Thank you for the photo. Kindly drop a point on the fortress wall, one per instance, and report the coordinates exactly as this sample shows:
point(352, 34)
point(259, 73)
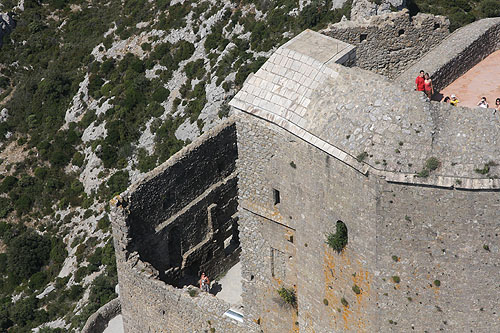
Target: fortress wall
point(438, 234)
point(284, 244)
point(150, 305)
point(180, 219)
point(458, 53)
point(387, 44)
point(98, 321)
point(181, 214)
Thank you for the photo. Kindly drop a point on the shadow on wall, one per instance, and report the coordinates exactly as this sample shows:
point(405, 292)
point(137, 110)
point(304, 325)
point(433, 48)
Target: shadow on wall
point(183, 218)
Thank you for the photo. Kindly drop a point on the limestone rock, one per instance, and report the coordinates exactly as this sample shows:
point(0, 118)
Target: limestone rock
point(365, 8)
point(7, 23)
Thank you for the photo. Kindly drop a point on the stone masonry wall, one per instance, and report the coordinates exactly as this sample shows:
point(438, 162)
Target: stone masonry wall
point(427, 234)
point(418, 234)
point(387, 44)
point(182, 214)
point(179, 220)
point(284, 244)
point(458, 53)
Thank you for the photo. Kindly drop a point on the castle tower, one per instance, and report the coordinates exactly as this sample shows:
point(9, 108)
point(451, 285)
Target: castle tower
point(351, 205)
point(322, 146)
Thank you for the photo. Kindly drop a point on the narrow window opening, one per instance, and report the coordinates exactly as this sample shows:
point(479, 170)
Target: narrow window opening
point(437, 26)
point(401, 32)
point(276, 196)
point(362, 37)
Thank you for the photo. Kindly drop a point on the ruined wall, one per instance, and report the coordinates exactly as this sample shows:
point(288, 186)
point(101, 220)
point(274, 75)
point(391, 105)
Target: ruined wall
point(387, 44)
point(458, 53)
point(182, 214)
point(171, 225)
point(284, 244)
point(445, 235)
point(98, 321)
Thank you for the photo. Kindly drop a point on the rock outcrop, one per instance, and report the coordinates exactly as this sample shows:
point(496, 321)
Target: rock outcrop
point(7, 23)
point(365, 8)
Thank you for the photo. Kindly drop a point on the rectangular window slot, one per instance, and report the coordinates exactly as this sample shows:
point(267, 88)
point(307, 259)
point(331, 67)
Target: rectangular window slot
point(276, 196)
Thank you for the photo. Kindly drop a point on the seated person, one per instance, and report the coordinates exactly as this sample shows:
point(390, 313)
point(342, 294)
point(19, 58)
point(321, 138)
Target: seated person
point(446, 100)
point(454, 100)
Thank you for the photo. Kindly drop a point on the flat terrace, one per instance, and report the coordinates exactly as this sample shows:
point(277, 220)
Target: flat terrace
point(481, 80)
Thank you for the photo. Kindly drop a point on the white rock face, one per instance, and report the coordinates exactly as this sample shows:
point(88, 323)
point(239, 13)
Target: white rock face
point(187, 131)
point(365, 8)
point(7, 23)
point(4, 115)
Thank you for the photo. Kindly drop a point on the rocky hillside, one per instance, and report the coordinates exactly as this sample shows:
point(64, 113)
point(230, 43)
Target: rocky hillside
point(95, 93)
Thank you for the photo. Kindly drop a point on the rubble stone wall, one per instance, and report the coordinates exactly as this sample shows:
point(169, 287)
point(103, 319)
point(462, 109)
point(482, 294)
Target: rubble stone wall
point(177, 221)
point(387, 44)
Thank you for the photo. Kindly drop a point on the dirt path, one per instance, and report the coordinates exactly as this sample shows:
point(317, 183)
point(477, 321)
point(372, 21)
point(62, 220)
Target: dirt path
point(481, 80)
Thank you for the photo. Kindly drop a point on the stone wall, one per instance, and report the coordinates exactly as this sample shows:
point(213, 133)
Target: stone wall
point(181, 216)
point(444, 235)
point(283, 244)
point(98, 322)
point(387, 44)
point(176, 222)
point(458, 53)
point(418, 234)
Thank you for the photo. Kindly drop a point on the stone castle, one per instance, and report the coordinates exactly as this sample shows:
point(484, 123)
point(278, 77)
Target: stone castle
point(328, 133)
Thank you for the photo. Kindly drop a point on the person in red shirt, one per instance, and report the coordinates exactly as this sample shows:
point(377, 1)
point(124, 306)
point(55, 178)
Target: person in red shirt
point(420, 82)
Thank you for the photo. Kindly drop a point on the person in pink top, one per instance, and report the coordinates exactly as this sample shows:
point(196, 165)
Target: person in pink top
point(419, 82)
point(428, 88)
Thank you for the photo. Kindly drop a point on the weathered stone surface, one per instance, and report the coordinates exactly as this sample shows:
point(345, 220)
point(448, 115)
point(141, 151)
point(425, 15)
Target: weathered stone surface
point(365, 8)
point(178, 221)
point(98, 322)
point(389, 43)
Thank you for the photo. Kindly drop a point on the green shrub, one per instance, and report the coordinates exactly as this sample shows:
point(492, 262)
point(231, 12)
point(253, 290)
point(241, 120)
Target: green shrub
point(437, 283)
point(5, 207)
point(432, 164)
point(356, 289)
point(362, 156)
point(396, 279)
point(27, 254)
point(395, 258)
point(103, 223)
point(338, 240)
point(344, 302)
point(288, 296)
point(325, 301)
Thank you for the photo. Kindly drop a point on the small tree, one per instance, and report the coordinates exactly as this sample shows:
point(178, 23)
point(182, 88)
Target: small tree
point(288, 296)
point(338, 240)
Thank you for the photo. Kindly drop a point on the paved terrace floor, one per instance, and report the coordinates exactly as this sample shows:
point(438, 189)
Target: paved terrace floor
point(231, 286)
point(481, 80)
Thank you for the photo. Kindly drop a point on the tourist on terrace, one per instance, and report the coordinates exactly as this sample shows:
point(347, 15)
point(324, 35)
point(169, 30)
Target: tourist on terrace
point(428, 88)
point(420, 82)
point(454, 100)
point(204, 283)
point(482, 103)
point(497, 104)
point(446, 100)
